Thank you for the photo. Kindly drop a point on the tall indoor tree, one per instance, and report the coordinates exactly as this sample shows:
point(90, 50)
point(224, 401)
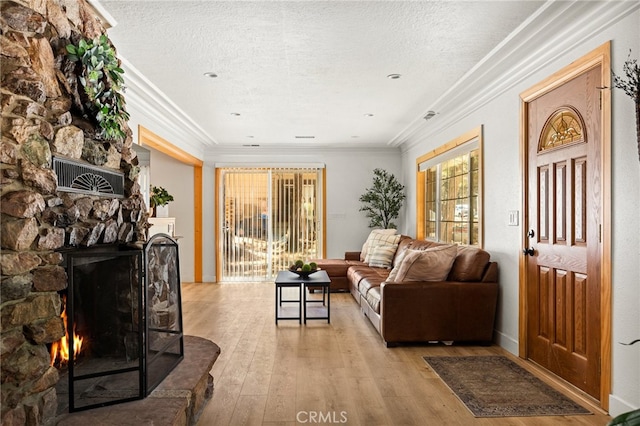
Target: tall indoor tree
point(383, 201)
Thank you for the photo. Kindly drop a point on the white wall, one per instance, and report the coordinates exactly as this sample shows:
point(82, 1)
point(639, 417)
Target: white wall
point(177, 179)
point(502, 192)
point(208, 224)
point(625, 208)
point(348, 173)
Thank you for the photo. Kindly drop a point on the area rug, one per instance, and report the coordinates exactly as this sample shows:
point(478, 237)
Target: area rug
point(494, 386)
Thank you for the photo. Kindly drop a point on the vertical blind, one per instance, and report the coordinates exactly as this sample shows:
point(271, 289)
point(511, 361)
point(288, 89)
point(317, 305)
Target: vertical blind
point(270, 218)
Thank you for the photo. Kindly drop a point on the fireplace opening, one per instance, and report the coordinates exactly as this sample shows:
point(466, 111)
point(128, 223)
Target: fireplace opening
point(124, 323)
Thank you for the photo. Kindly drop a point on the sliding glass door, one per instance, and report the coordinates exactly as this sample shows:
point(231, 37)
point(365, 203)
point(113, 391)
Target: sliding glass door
point(268, 218)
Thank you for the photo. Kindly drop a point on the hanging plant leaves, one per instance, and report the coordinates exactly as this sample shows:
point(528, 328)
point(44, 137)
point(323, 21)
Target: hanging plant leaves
point(101, 79)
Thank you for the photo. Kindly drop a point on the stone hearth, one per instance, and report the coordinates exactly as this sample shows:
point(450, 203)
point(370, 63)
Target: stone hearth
point(177, 401)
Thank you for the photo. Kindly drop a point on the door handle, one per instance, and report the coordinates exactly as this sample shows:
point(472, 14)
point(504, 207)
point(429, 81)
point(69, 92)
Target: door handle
point(528, 251)
point(531, 233)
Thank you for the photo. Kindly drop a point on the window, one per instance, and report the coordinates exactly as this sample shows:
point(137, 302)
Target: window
point(268, 218)
point(449, 183)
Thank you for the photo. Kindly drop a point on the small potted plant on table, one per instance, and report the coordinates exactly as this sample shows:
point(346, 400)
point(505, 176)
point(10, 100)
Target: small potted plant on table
point(159, 201)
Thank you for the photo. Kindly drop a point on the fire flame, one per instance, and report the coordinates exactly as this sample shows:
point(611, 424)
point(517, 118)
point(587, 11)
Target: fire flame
point(60, 349)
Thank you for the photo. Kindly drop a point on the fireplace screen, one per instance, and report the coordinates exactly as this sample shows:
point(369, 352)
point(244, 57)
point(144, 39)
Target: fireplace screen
point(124, 324)
point(164, 343)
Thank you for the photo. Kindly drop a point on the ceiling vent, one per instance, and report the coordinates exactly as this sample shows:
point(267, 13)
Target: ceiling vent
point(430, 115)
point(83, 178)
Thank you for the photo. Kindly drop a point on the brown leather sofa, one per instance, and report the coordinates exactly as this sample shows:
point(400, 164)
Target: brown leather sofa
point(460, 309)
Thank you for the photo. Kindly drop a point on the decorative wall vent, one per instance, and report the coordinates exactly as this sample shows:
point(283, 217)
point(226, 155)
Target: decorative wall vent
point(84, 178)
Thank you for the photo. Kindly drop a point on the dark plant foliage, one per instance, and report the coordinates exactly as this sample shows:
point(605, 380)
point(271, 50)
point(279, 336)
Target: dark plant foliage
point(631, 418)
point(101, 77)
point(159, 196)
point(630, 83)
point(383, 201)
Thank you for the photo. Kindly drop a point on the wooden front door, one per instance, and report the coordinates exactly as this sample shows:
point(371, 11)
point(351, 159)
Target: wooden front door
point(562, 265)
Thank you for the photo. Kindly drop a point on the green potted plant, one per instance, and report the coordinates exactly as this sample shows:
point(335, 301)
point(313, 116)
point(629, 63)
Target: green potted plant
point(383, 201)
point(159, 200)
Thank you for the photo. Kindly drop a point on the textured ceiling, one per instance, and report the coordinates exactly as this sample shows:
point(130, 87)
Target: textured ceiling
point(308, 68)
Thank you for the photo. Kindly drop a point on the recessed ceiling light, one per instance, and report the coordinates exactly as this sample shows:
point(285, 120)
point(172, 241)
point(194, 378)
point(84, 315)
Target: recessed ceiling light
point(394, 76)
point(210, 74)
point(235, 114)
point(368, 114)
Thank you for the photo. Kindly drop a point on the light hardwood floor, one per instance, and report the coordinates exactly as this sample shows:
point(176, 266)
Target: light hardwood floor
point(339, 372)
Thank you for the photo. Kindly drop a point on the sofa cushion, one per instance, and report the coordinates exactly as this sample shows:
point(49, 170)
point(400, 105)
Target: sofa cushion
point(355, 273)
point(366, 276)
point(333, 267)
point(423, 244)
point(379, 237)
point(432, 264)
point(373, 298)
point(469, 265)
point(368, 283)
point(382, 256)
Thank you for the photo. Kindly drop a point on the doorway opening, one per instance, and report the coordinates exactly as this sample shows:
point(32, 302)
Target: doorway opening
point(267, 219)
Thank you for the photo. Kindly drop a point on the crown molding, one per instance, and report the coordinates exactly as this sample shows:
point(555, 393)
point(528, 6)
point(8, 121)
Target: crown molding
point(297, 153)
point(108, 21)
point(556, 28)
point(163, 115)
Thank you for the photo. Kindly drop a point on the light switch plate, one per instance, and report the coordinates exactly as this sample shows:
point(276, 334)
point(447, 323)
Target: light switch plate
point(514, 217)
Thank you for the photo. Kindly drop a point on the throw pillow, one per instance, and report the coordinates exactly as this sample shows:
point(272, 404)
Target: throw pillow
point(432, 264)
point(382, 240)
point(382, 256)
point(394, 272)
point(372, 234)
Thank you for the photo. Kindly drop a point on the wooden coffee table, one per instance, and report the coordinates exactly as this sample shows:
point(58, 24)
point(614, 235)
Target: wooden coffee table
point(317, 279)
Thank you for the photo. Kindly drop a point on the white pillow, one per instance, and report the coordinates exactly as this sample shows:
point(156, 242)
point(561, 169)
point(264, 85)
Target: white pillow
point(432, 264)
point(372, 234)
point(382, 256)
point(381, 240)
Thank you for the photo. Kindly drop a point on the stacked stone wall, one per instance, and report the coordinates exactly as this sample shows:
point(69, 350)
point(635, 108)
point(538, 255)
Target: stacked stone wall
point(40, 119)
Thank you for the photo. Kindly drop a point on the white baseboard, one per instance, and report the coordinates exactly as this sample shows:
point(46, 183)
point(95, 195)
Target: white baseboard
point(507, 343)
point(618, 406)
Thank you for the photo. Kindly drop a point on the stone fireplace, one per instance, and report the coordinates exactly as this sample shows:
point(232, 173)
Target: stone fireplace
point(123, 321)
point(42, 220)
